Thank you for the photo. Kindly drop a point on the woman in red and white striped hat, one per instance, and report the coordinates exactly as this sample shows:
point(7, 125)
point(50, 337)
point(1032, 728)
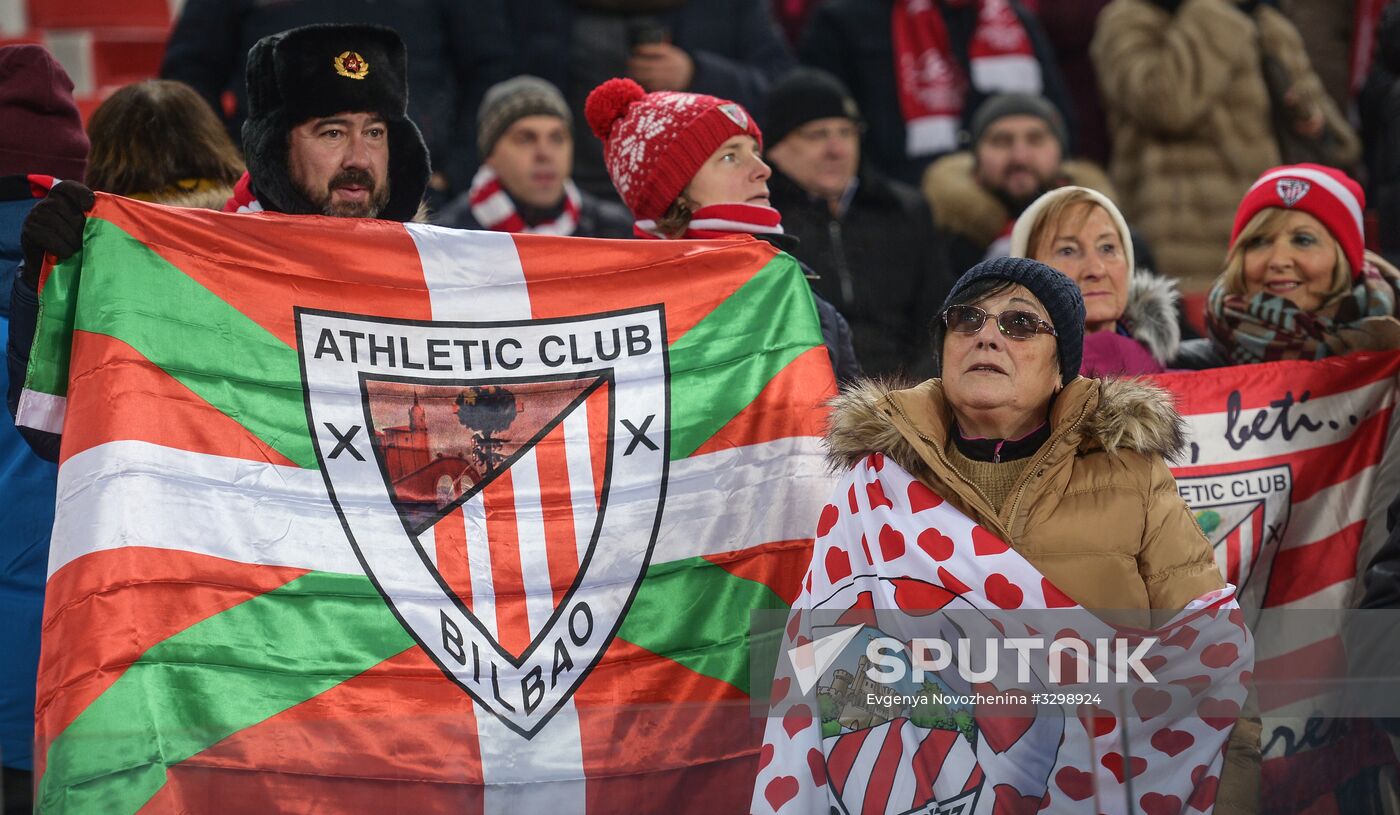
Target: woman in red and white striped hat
point(1298, 282)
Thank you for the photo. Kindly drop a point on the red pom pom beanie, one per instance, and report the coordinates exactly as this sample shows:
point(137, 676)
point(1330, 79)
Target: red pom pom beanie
point(654, 143)
point(1322, 192)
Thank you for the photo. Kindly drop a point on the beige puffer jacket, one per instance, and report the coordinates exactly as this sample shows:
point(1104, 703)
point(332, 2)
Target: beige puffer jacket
point(1096, 511)
point(1191, 120)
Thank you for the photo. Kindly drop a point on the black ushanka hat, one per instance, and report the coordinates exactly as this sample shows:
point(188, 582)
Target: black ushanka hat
point(321, 70)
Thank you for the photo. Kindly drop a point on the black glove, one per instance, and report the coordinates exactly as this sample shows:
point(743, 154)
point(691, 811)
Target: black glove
point(54, 225)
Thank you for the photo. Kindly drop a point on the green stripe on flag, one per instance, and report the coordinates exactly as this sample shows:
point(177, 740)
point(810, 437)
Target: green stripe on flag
point(220, 676)
point(715, 371)
point(695, 613)
point(215, 678)
point(49, 354)
point(209, 346)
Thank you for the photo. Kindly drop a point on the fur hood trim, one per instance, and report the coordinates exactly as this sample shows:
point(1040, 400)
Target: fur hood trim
point(963, 207)
point(211, 196)
point(1125, 415)
point(1151, 315)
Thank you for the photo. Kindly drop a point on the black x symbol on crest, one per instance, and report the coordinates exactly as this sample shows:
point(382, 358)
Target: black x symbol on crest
point(342, 441)
point(639, 435)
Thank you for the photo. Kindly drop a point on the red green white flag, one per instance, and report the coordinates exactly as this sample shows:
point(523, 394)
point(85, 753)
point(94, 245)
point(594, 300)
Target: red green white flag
point(362, 516)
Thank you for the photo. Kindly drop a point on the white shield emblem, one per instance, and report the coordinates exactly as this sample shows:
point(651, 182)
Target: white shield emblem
point(736, 114)
point(471, 465)
point(1291, 190)
point(1244, 515)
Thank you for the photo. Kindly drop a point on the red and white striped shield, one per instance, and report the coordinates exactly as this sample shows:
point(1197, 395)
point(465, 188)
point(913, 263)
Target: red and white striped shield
point(471, 465)
point(1244, 513)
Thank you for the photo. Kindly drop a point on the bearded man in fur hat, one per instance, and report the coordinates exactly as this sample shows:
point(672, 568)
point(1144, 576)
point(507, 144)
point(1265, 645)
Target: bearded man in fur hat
point(328, 133)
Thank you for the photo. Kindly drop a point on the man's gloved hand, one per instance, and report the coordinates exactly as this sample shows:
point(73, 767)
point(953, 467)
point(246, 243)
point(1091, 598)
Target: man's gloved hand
point(54, 225)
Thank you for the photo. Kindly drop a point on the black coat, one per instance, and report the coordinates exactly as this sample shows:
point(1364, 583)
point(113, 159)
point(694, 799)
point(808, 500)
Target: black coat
point(455, 51)
point(736, 45)
point(852, 39)
point(1379, 104)
point(1371, 651)
point(596, 218)
point(882, 264)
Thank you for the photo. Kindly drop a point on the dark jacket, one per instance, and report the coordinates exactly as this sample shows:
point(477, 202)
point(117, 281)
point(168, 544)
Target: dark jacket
point(1382, 577)
point(852, 39)
point(1380, 129)
point(1371, 648)
point(880, 263)
point(26, 514)
point(455, 51)
point(1199, 354)
point(736, 45)
point(836, 332)
point(1069, 25)
point(596, 218)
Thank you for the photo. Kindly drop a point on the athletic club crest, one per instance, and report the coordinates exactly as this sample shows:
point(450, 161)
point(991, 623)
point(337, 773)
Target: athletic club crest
point(736, 114)
point(1244, 515)
point(1291, 190)
point(476, 468)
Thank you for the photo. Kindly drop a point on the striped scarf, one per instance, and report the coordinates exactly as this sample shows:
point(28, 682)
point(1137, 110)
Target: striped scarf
point(932, 85)
point(495, 210)
point(721, 221)
point(1264, 327)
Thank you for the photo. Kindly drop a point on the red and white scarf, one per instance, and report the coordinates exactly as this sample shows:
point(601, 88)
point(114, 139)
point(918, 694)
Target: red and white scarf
point(888, 553)
point(1366, 19)
point(720, 221)
point(243, 199)
point(494, 209)
point(930, 80)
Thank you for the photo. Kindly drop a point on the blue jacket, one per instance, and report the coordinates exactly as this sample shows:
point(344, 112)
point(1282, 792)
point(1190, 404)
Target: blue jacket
point(26, 515)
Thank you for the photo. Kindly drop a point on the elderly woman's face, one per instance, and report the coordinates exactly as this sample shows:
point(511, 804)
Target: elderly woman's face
point(991, 371)
point(1087, 248)
point(1296, 261)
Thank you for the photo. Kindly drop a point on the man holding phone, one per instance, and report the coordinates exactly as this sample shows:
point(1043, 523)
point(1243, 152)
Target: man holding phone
point(726, 48)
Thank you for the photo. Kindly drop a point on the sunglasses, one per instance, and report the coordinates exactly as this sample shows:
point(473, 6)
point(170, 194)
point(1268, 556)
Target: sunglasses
point(1018, 325)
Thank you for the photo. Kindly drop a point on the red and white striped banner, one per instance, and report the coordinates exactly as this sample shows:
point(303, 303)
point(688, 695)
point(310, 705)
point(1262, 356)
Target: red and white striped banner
point(1289, 469)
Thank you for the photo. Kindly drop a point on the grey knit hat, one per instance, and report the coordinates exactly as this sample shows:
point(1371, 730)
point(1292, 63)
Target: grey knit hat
point(1017, 104)
point(1053, 289)
point(514, 99)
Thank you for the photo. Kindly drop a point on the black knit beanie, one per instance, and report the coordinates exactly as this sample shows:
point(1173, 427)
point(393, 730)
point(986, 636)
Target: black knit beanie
point(1057, 293)
point(805, 95)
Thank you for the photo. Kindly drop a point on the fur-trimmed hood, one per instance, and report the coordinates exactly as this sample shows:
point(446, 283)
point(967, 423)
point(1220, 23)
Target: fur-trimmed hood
point(1150, 315)
point(1117, 415)
point(201, 195)
point(964, 207)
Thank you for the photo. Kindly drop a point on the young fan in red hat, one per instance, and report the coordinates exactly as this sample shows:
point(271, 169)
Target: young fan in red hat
point(1298, 282)
point(691, 166)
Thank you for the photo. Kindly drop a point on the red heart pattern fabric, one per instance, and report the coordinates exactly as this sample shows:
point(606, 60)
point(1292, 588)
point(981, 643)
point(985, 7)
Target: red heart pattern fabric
point(890, 551)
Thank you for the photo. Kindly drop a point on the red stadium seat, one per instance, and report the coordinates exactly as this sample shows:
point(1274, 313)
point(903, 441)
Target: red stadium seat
point(98, 13)
point(27, 38)
point(122, 56)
